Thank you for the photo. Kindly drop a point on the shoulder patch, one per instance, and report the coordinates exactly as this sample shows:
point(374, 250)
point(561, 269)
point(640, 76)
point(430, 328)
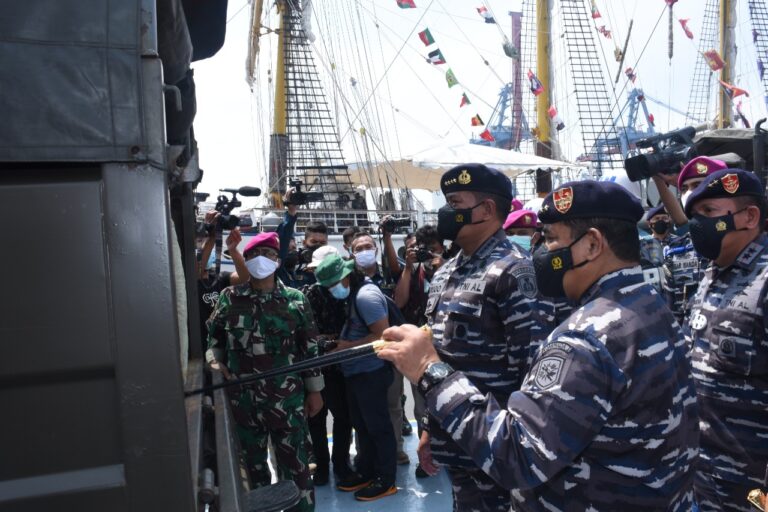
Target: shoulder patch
point(549, 371)
point(526, 280)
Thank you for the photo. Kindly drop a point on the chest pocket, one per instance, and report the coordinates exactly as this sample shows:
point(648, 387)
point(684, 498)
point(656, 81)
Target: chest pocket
point(277, 333)
point(734, 341)
point(464, 319)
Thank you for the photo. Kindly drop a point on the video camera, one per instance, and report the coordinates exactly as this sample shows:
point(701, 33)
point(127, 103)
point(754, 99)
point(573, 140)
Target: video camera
point(391, 224)
point(225, 205)
point(299, 197)
point(669, 150)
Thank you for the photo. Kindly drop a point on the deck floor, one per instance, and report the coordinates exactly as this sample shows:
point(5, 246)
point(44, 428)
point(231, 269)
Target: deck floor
point(413, 494)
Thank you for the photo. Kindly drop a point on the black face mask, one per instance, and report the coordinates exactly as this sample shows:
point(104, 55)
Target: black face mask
point(707, 233)
point(551, 266)
point(291, 260)
point(450, 221)
point(660, 227)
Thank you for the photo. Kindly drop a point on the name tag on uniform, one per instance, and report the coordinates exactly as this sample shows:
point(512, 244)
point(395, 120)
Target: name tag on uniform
point(471, 286)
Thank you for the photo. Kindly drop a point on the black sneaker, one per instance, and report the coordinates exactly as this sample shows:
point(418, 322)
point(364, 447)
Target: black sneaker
point(321, 476)
point(352, 482)
point(375, 490)
point(420, 473)
point(407, 428)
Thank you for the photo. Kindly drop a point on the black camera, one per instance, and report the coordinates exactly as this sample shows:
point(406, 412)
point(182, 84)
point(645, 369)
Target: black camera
point(299, 197)
point(325, 345)
point(305, 255)
point(225, 205)
point(423, 254)
point(669, 151)
point(390, 225)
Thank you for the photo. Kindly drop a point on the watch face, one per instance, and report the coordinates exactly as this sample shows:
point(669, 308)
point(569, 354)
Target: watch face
point(439, 371)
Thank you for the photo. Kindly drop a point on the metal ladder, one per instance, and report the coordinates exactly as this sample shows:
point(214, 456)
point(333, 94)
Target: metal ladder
point(703, 78)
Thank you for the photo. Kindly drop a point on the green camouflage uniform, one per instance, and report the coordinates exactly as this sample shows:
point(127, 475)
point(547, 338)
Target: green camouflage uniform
point(252, 331)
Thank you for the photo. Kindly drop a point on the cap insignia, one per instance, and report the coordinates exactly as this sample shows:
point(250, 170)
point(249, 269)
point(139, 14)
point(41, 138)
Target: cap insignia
point(527, 219)
point(730, 183)
point(701, 168)
point(464, 178)
point(563, 199)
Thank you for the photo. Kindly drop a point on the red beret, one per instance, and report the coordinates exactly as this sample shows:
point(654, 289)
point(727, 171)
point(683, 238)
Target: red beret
point(263, 240)
point(699, 167)
point(521, 219)
point(516, 205)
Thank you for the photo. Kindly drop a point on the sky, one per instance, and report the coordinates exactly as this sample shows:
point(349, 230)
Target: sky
point(408, 105)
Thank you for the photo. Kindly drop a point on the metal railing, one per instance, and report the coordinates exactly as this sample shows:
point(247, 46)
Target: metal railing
point(339, 220)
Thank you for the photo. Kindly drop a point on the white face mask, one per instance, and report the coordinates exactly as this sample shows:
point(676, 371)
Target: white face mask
point(261, 267)
point(366, 259)
point(685, 196)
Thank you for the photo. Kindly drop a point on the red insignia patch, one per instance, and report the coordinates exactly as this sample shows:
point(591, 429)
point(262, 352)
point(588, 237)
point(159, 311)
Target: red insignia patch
point(563, 199)
point(730, 183)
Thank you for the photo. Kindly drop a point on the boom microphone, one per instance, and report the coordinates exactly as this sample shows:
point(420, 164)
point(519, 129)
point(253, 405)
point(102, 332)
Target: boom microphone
point(243, 191)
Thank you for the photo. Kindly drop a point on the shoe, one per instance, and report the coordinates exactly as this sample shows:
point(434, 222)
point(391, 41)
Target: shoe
point(375, 490)
point(353, 482)
point(403, 459)
point(420, 473)
point(321, 476)
point(407, 428)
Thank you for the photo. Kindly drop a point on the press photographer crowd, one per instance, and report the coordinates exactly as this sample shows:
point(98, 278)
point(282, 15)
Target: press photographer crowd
point(596, 354)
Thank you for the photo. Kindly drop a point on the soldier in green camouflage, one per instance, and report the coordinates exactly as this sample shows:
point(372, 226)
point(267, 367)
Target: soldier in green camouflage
point(255, 327)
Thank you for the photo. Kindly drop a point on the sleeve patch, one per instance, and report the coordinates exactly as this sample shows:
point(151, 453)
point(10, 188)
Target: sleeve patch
point(549, 371)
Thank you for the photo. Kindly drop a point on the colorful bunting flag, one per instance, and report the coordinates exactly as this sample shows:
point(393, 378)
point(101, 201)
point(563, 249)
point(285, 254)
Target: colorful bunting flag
point(486, 135)
point(464, 100)
point(482, 11)
point(714, 60)
point(651, 119)
point(604, 31)
point(426, 37)
point(406, 4)
point(436, 57)
point(732, 91)
point(536, 86)
point(557, 121)
point(595, 12)
point(476, 121)
point(631, 74)
point(684, 24)
point(450, 78)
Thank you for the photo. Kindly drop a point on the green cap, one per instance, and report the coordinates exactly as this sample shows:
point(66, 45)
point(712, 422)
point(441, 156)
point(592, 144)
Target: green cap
point(333, 269)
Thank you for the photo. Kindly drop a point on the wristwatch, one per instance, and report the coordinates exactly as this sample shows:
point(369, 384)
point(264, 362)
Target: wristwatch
point(434, 374)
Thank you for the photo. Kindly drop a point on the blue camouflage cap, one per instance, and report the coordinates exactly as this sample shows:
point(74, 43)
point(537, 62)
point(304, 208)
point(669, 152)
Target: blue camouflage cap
point(590, 199)
point(726, 183)
point(476, 178)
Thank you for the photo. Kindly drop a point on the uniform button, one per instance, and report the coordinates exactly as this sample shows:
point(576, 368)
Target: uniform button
point(699, 322)
point(726, 347)
point(477, 399)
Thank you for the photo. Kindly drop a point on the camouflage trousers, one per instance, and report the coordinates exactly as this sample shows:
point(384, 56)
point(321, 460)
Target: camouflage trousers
point(259, 420)
point(473, 490)
point(716, 495)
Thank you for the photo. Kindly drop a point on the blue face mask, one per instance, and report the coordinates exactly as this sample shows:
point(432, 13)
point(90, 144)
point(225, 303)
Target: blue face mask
point(521, 240)
point(339, 291)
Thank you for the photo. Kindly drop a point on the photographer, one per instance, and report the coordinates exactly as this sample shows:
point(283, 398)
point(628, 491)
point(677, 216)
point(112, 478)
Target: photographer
point(391, 267)
point(423, 256)
point(209, 283)
point(315, 235)
point(684, 267)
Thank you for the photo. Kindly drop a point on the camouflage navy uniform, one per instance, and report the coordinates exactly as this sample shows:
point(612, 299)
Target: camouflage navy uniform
point(252, 331)
point(729, 336)
point(684, 270)
point(480, 310)
point(606, 418)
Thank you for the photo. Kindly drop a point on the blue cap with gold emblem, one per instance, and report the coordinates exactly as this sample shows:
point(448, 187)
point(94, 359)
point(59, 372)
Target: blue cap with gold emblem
point(590, 199)
point(726, 183)
point(476, 178)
